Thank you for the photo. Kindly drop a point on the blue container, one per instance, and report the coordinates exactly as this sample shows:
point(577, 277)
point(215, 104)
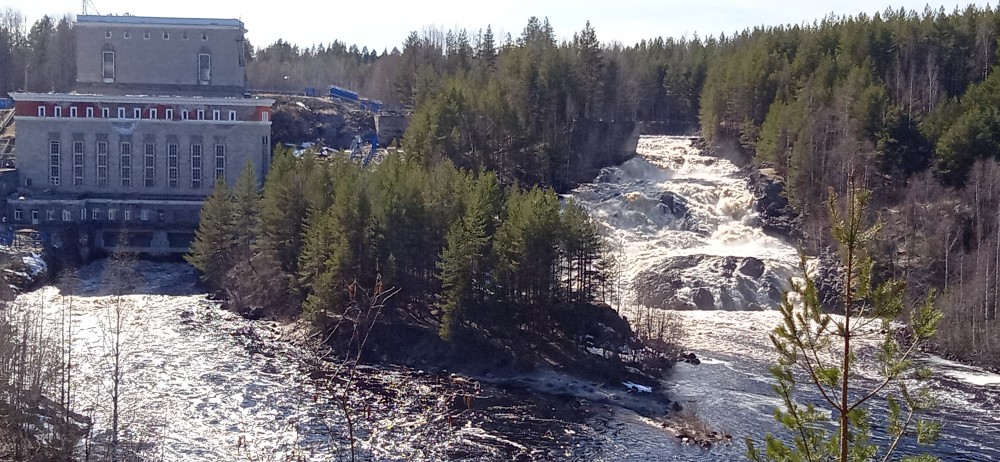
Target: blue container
point(343, 93)
point(6, 103)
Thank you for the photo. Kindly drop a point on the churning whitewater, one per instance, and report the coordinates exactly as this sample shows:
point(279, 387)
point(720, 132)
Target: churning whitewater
point(687, 231)
point(202, 384)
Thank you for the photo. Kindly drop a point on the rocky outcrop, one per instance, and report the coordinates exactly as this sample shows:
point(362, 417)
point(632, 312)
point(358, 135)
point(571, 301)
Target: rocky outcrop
point(829, 279)
point(708, 282)
point(777, 217)
point(298, 119)
point(595, 144)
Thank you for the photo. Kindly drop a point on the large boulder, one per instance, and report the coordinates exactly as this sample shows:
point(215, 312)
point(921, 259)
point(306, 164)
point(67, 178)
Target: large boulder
point(752, 267)
point(777, 217)
point(675, 203)
point(703, 299)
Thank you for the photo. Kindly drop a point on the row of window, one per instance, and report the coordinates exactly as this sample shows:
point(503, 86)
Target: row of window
point(146, 35)
point(95, 214)
point(137, 113)
point(125, 164)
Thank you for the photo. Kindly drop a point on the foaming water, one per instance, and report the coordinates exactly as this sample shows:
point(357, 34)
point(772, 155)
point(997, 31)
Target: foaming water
point(636, 204)
point(678, 215)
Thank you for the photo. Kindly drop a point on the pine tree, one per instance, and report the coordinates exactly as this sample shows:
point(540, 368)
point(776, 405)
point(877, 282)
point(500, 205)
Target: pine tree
point(581, 248)
point(211, 250)
point(820, 350)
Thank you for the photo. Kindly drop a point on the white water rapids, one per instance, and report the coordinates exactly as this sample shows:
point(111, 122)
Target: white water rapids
point(730, 390)
point(203, 384)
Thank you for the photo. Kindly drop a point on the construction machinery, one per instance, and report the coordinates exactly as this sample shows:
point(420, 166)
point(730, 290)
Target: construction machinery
point(358, 148)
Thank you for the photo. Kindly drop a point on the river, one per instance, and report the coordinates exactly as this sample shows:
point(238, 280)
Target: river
point(700, 248)
point(202, 384)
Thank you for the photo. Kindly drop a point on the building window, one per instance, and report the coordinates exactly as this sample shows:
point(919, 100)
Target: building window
point(168, 114)
point(107, 34)
point(112, 213)
point(83, 214)
point(109, 67)
point(41, 111)
point(136, 113)
point(149, 165)
point(105, 112)
point(121, 113)
point(50, 215)
point(184, 36)
point(18, 214)
point(184, 114)
point(127, 35)
point(102, 163)
point(152, 113)
point(78, 163)
point(172, 165)
point(216, 114)
point(204, 36)
point(67, 216)
point(144, 215)
point(145, 35)
point(201, 114)
point(195, 166)
point(220, 161)
point(126, 164)
point(204, 68)
point(73, 111)
point(128, 214)
point(27, 182)
point(166, 36)
point(232, 116)
point(95, 214)
point(57, 111)
point(90, 113)
point(265, 116)
point(54, 163)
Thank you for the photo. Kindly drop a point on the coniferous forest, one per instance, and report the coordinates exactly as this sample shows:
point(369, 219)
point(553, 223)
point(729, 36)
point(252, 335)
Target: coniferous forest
point(325, 237)
point(903, 101)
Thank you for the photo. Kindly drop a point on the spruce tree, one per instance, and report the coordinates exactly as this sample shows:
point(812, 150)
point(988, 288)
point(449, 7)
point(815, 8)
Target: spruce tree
point(213, 242)
point(819, 350)
point(246, 211)
point(466, 262)
point(283, 211)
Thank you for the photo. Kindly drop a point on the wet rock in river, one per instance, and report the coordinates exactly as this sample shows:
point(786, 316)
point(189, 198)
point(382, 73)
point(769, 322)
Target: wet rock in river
point(703, 299)
point(752, 267)
point(675, 203)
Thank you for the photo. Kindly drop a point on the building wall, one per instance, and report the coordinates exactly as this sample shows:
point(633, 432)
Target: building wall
point(159, 65)
point(243, 142)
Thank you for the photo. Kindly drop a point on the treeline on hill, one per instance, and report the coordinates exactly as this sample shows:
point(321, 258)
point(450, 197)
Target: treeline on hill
point(324, 236)
point(654, 80)
point(908, 103)
point(505, 104)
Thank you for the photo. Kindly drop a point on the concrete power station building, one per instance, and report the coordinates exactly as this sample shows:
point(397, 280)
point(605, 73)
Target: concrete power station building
point(158, 114)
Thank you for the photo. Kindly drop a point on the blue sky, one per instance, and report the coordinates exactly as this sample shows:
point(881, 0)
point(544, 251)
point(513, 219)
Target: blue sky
point(385, 23)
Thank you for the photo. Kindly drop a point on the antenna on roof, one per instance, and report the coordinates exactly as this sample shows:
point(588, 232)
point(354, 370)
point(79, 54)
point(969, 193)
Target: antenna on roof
point(91, 3)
